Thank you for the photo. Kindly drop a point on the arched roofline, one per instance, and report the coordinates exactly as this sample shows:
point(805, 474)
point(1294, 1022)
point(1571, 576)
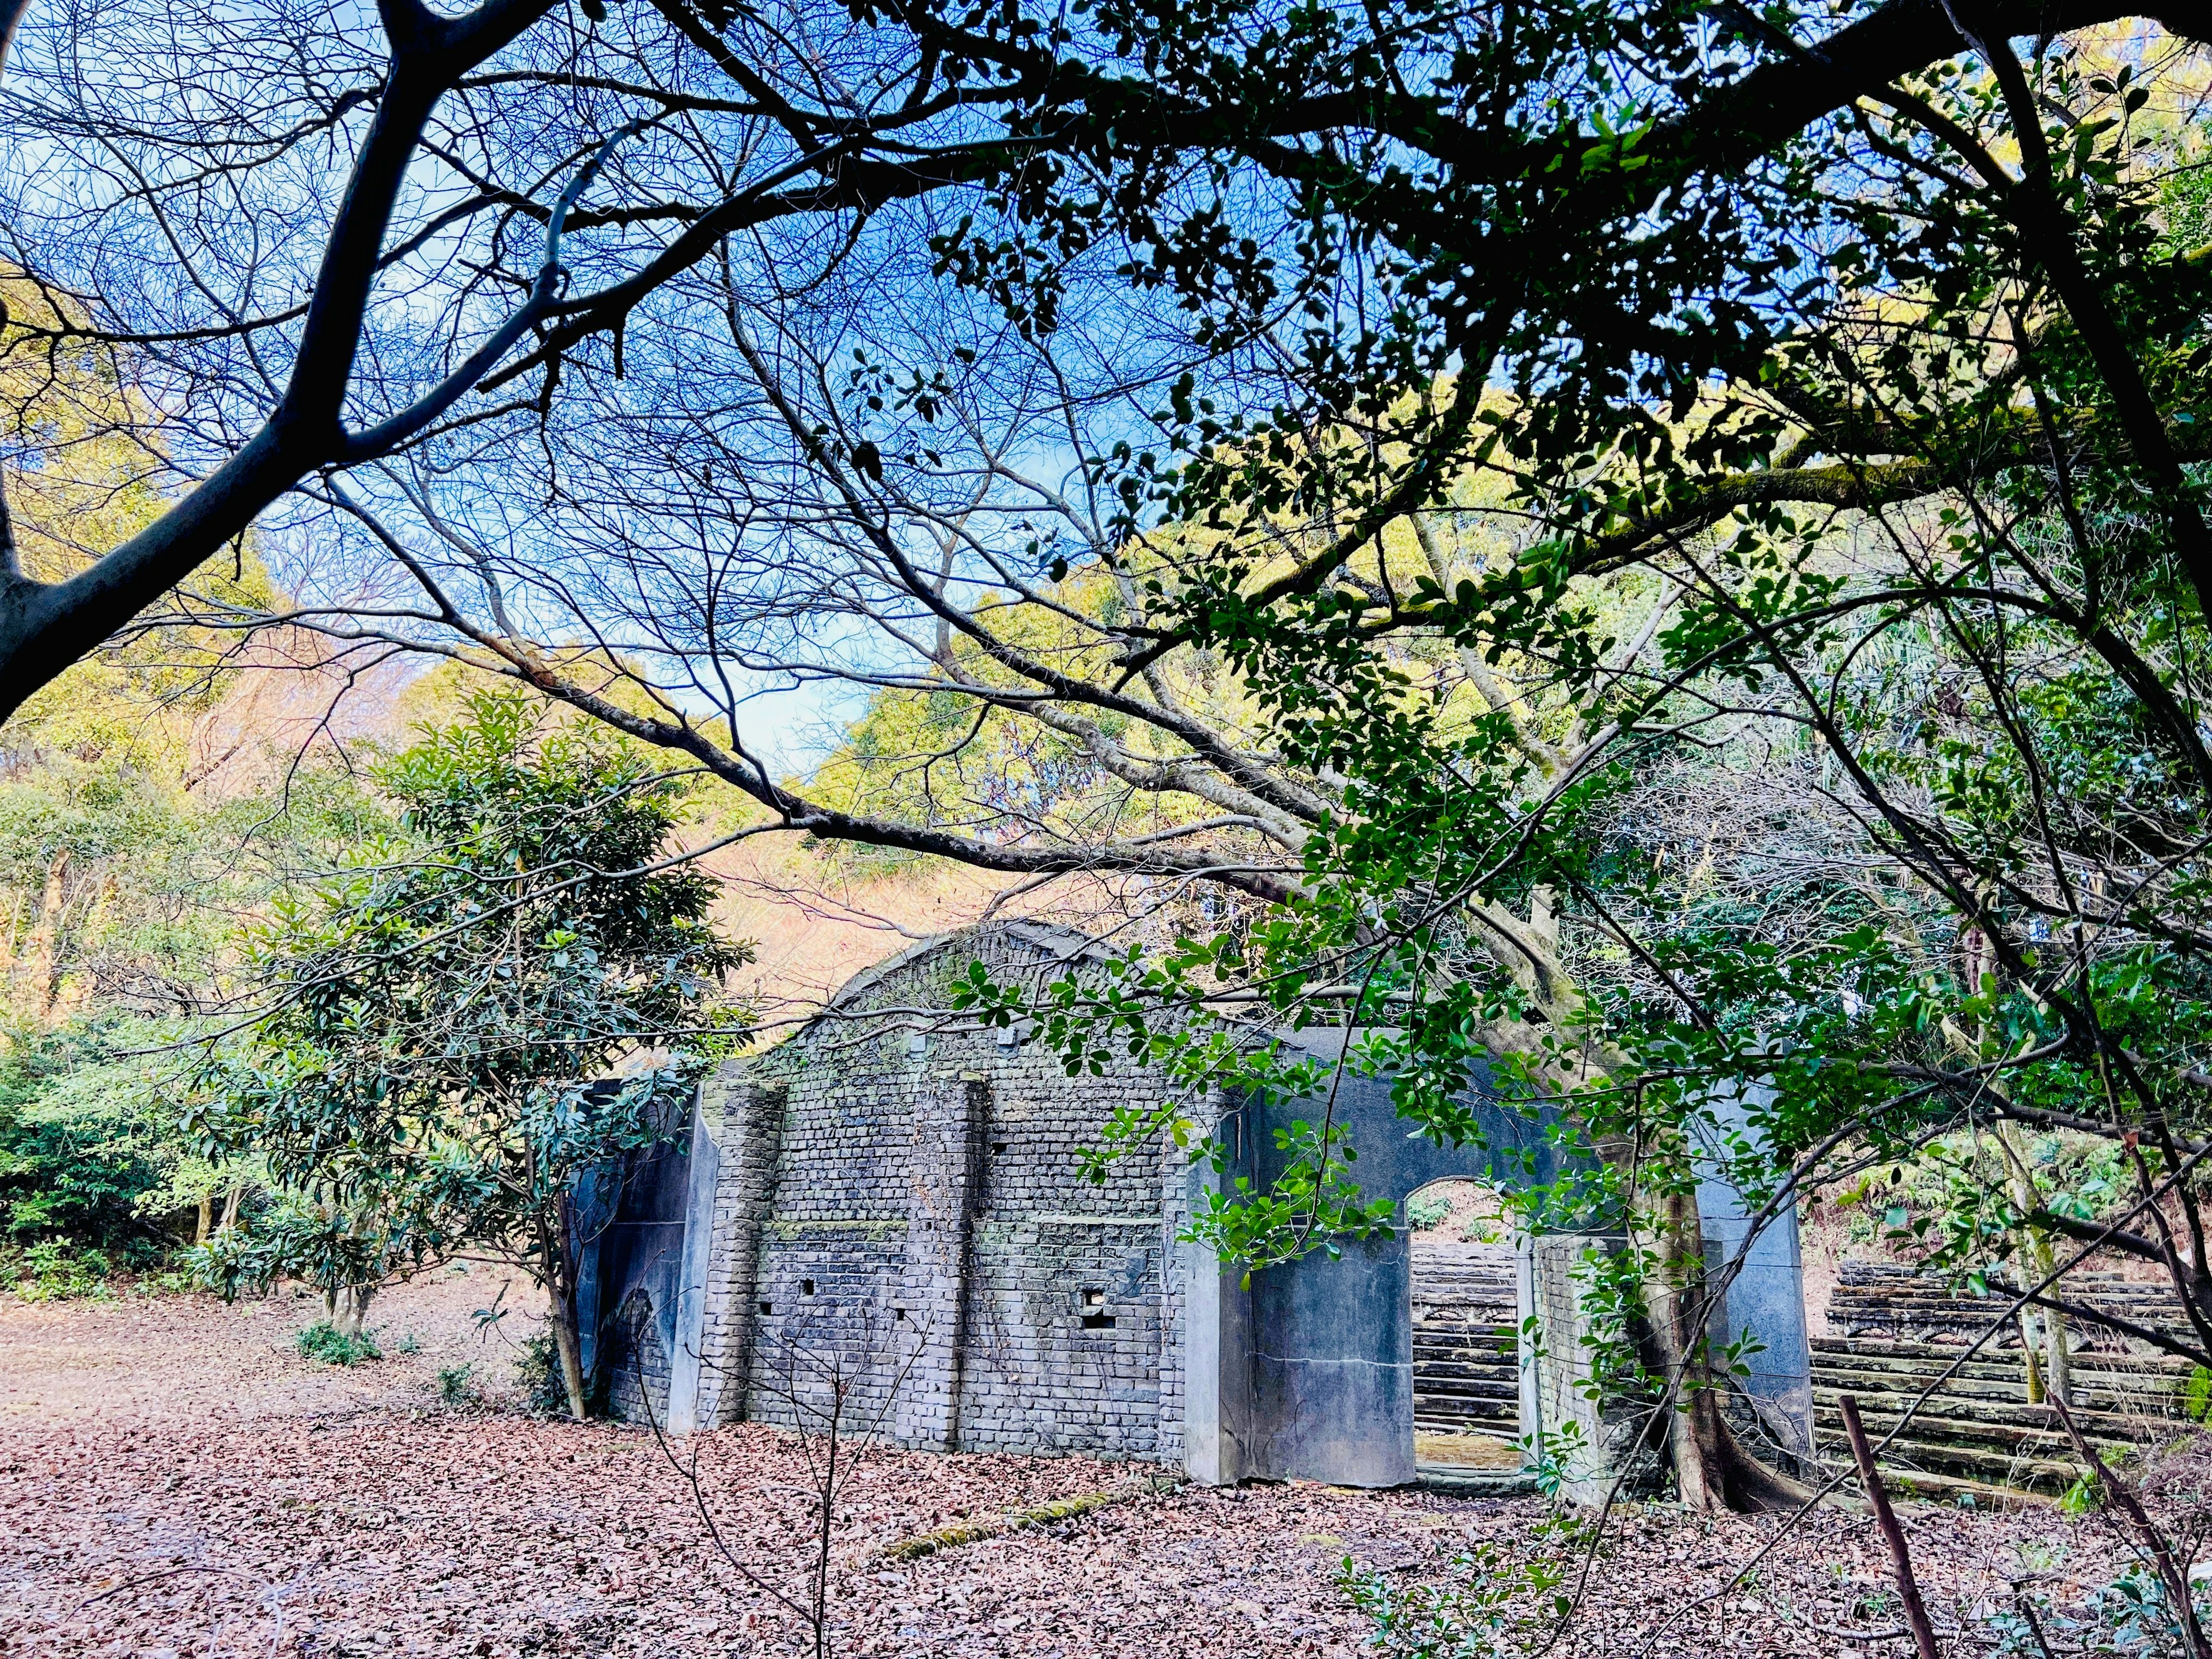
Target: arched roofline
point(1065, 945)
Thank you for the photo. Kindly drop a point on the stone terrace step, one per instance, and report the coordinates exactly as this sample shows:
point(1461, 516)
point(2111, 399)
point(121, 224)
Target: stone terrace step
point(1978, 1394)
point(2115, 1364)
point(1876, 1297)
point(1466, 1334)
point(1975, 1427)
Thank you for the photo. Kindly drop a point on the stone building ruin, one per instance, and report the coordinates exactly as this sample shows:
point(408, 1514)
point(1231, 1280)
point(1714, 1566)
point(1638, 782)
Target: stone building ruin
point(901, 1195)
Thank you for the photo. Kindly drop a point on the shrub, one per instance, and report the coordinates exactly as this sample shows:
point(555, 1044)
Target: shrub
point(456, 1384)
point(538, 1367)
point(326, 1342)
point(78, 1150)
point(2129, 1615)
point(1427, 1210)
point(56, 1271)
point(1484, 1602)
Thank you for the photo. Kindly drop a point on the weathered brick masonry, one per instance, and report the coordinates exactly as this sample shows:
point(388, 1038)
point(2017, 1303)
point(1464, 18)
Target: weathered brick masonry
point(902, 1200)
point(890, 1207)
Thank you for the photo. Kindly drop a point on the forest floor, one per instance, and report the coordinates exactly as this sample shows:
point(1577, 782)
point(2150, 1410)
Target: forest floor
point(177, 1482)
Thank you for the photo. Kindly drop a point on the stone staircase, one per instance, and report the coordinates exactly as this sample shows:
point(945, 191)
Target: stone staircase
point(1883, 1300)
point(1467, 1359)
point(1899, 1335)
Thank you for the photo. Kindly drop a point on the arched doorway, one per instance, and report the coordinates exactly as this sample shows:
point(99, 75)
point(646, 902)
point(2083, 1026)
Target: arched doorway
point(1466, 1303)
point(1304, 1369)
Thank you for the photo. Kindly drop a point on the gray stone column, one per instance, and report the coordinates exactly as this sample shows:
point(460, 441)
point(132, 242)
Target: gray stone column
point(1594, 1439)
point(687, 1348)
point(1217, 1352)
point(951, 1119)
point(1765, 1294)
point(1175, 1215)
point(1527, 1339)
point(745, 1121)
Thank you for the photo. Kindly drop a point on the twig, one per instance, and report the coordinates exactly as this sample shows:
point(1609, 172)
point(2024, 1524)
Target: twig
point(2034, 1625)
point(1908, 1587)
point(2118, 1492)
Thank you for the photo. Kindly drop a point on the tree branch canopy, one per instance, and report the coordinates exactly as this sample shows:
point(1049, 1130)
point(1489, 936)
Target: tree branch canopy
point(1059, 126)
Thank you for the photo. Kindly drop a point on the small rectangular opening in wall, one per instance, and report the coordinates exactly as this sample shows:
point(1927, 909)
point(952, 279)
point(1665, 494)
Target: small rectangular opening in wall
point(806, 1287)
point(998, 1146)
point(1095, 1316)
point(767, 1306)
point(899, 1314)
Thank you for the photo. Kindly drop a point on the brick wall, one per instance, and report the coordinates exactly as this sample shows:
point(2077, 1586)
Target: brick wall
point(903, 1231)
point(1604, 1447)
point(903, 1236)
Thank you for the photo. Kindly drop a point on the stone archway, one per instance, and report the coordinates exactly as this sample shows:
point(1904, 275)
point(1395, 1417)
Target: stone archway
point(1306, 1372)
point(1468, 1303)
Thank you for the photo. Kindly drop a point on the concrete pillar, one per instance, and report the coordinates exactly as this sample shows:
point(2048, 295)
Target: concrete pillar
point(745, 1121)
point(1216, 1327)
point(1525, 1346)
point(951, 1122)
point(1173, 1290)
point(1765, 1279)
point(1217, 1379)
point(688, 1346)
point(1587, 1448)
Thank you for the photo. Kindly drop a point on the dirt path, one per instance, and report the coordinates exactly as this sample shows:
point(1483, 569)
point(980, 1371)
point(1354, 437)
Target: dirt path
point(176, 1483)
point(189, 1358)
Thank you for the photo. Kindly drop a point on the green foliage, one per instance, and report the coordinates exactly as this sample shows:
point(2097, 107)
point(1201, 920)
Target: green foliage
point(537, 1367)
point(1551, 1455)
point(122, 887)
point(302, 1235)
point(457, 1384)
point(2130, 1616)
point(89, 1148)
point(125, 866)
point(1486, 1604)
point(453, 1023)
point(325, 1342)
point(1427, 1211)
point(55, 1270)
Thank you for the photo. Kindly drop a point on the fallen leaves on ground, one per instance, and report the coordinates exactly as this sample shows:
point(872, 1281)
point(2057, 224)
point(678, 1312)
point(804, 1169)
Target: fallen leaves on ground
point(175, 1483)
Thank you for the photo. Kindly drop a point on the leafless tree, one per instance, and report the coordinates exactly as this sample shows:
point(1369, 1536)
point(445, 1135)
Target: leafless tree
point(837, 1384)
point(294, 242)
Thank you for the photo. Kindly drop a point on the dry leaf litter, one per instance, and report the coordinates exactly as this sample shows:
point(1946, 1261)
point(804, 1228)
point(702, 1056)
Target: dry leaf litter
point(178, 1482)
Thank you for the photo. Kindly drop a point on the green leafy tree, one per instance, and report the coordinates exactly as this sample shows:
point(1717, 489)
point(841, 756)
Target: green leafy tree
point(1832, 731)
point(85, 1154)
point(461, 1025)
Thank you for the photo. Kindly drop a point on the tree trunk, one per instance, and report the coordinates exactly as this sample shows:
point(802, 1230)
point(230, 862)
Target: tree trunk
point(45, 954)
point(562, 1318)
point(348, 1307)
point(2056, 1368)
point(206, 1223)
point(1713, 1469)
point(230, 1207)
point(557, 1275)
